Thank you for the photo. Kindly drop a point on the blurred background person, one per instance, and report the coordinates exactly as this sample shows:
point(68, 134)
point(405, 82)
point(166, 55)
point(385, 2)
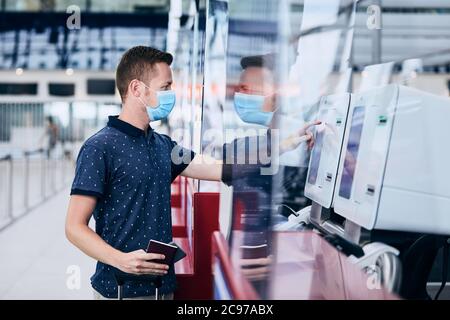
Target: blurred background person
point(51, 135)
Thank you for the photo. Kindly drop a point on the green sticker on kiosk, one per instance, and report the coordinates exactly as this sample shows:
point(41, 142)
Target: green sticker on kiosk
point(382, 119)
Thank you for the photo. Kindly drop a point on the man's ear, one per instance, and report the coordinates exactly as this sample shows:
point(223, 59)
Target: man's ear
point(134, 88)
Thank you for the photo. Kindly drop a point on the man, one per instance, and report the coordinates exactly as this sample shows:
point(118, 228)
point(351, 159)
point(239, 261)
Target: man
point(123, 178)
point(255, 102)
point(51, 133)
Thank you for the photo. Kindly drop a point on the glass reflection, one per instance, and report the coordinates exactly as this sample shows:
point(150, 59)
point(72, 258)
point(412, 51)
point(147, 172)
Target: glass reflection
point(254, 103)
point(279, 65)
point(247, 117)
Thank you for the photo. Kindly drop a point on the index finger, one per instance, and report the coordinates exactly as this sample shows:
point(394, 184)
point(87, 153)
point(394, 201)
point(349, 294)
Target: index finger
point(152, 256)
point(311, 124)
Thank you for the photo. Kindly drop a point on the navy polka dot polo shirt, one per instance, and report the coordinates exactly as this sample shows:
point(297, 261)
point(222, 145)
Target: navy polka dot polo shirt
point(130, 172)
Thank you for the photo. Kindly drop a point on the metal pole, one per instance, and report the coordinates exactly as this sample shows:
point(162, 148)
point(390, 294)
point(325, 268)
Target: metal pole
point(60, 172)
point(64, 167)
point(27, 181)
point(52, 162)
point(57, 173)
point(376, 38)
point(351, 64)
point(120, 292)
point(44, 169)
point(10, 191)
point(351, 59)
point(43, 174)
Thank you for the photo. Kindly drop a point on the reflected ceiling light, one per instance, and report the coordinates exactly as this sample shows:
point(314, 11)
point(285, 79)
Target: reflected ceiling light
point(19, 71)
point(69, 71)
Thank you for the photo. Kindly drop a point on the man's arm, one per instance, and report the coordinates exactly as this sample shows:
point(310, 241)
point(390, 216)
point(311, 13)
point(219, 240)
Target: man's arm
point(204, 167)
point(78, 232)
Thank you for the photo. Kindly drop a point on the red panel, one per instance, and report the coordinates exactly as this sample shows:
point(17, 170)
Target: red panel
point(175, 200)
point(175, 192)
point(178, 223)
point(206, 221)
point(184, 267)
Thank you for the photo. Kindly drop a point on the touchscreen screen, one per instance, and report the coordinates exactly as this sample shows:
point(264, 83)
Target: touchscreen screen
point(352, 152)
point(315, 157)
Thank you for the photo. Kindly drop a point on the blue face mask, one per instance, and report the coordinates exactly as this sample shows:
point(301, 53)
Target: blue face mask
point(166, 102)
point(249, 109)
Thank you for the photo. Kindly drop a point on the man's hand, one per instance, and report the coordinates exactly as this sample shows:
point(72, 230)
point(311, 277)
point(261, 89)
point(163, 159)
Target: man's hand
point(303, 135)
point(139, 262)
point(256, 269)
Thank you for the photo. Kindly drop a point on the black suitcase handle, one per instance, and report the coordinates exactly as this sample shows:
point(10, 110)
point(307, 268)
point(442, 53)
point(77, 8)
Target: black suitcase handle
point(121, 277)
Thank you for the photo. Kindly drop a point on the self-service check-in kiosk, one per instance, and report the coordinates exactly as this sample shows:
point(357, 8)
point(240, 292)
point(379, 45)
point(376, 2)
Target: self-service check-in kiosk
point(380, 163)
point(394, 170)
point(324, 159)
point(386, 168)
point(393, 173)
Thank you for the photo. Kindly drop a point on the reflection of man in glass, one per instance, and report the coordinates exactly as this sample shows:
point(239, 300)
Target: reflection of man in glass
point(255, 97)
point(255, 103)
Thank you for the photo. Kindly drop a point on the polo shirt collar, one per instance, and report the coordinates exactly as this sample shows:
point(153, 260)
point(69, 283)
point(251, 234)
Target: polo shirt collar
point(127, 128)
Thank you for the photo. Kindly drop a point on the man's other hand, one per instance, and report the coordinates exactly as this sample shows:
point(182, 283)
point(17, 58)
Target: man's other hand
point(140, 262)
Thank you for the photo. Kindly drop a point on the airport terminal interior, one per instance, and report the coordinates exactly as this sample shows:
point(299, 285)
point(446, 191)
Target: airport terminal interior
point(329, 120)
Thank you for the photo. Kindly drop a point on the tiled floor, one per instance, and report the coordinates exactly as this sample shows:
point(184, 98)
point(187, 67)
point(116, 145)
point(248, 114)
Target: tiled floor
point(38, 262)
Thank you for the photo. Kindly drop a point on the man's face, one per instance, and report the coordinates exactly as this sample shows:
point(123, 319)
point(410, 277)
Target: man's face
point(161, 80)
point(259, 81)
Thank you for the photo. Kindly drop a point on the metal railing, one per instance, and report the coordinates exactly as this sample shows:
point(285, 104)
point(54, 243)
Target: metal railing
point(28, 180)
point(8, 178)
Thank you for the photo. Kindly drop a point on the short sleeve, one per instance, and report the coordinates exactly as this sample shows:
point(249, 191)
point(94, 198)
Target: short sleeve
point(180, 159)
point(228, 159)
point(241, 158)
point(90, 172)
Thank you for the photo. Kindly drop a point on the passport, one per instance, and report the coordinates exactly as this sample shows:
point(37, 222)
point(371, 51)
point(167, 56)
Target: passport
point(171, 251)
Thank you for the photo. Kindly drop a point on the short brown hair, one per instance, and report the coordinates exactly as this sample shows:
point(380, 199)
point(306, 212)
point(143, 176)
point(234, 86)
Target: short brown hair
point(260, 61)
point(136, 63)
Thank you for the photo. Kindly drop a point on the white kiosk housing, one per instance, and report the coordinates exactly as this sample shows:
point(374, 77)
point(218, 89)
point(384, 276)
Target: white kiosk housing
point(325, 155)
point(394, 171)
